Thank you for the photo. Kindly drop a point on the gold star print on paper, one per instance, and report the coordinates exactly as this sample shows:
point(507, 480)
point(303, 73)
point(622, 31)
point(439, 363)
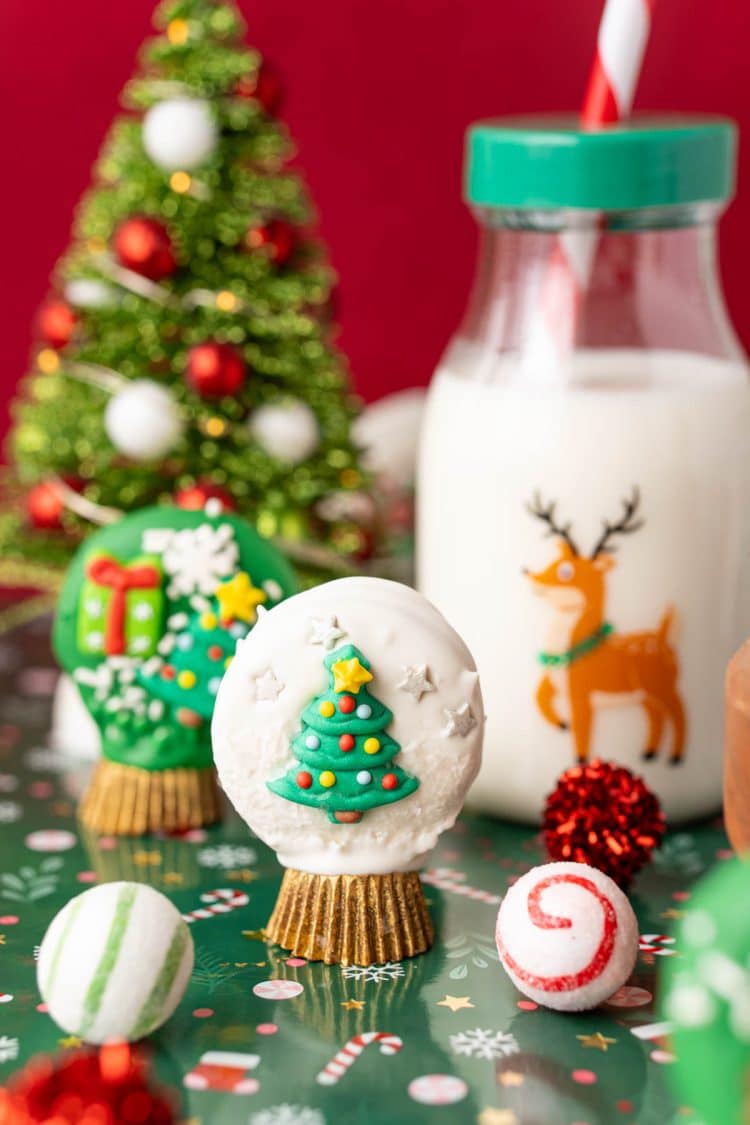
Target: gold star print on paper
point(147, 859)
point(173, 878)
point(255, 935)
point(243, 875)
point(70, 1042)
point(239, 600)
point(349, 675)
point(455, 1003)
point(598, 1041)
point(493, 1116)
point(353, 1005)
point(2, 939)
point(672, 913)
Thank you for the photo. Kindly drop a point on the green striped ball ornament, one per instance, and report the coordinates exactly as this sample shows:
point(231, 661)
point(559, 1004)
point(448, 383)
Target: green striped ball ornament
point(115, 963)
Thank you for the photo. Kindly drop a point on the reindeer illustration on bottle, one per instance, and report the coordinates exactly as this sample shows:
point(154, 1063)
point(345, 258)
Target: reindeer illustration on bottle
point(587, 660)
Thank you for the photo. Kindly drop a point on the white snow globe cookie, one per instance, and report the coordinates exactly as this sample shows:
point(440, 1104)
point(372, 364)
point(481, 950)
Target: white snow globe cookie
point(346, 733)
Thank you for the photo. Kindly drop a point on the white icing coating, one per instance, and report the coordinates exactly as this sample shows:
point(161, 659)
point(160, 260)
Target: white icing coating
point(394, 627)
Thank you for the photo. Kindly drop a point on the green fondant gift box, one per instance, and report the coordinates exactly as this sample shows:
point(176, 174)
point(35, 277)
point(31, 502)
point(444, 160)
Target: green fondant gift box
point(150, 615)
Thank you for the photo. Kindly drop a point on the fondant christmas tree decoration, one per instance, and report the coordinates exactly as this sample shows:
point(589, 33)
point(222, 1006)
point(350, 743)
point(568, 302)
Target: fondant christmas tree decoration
point(150, 615)
point(707, 998)
point(347, 757)
point(345, 771)
point(567, 936)
point(115, 963)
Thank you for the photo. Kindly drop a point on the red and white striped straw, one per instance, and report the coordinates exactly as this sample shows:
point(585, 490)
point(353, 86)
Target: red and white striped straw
point(620, 47)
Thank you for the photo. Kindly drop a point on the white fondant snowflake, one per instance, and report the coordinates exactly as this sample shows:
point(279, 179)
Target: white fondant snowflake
point(227, 856)
point(143, 611)
point(196, 559)
point(390, 971)
point(10, 811)
point(324, 631)
point(8, 1048)
point(484, 1043)
point(287, 1114)
point(459, 722)
point(416, 681)
point(267, 686)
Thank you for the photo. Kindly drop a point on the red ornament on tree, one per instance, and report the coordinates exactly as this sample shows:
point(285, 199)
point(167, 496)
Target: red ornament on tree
point(214, 369)
point(44, 506)
point(264, 86)
point(196, 496)
point(110, 1085)
point(143, 245)
point(603, 815)
point(55, 323)
point(276, 239)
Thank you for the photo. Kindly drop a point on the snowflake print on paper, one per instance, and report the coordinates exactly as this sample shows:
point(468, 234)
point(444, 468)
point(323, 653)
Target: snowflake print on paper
point(8, 1048)
point(196, 559)
point(226, 856)
point(286, 1114)
point(679, 855)
point(390, 971)
point(31, 883)
point(10, 812)
point(484, 1043)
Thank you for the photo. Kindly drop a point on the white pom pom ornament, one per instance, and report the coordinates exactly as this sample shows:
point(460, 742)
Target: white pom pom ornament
point(567, 936)
point(115, 963)
point(143, 421)
point(286, 430)
point(88, 293)
point(180, 133)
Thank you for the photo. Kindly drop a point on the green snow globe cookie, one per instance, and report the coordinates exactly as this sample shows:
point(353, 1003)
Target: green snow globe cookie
point(149, 618)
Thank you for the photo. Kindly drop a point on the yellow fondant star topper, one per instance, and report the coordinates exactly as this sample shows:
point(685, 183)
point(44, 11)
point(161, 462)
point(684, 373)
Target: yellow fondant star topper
point(239, 600)
point(349, 675)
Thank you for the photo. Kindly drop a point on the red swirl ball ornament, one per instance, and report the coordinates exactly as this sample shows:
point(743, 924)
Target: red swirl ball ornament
point(214, 370)
point(276, 239)
point(55, 323)
point(142, 244)
point(109, 1085)
point(603, 815)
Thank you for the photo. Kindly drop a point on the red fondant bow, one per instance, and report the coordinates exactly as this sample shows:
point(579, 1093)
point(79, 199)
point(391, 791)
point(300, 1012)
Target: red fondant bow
point(104, 570)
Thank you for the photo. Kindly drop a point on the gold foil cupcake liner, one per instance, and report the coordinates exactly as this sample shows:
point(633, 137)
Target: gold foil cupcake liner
point(129, 801)
point(351, 919)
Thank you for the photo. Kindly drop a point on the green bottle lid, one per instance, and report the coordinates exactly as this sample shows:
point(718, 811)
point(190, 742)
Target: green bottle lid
point(648, 161)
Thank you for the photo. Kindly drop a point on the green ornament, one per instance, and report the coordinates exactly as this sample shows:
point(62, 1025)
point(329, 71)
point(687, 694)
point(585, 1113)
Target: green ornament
point(707, 998)
point(150, 614)
point(345, 755)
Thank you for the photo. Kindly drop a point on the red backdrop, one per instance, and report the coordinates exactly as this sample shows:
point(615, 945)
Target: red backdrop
point(378, 96)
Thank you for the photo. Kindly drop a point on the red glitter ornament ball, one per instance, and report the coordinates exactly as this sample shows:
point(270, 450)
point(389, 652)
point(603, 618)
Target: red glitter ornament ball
point(44, 506)
point(196, 496)
point(109, 1085)
point(276, 239)
point(55, 322)
point(263, 86)
point(143, 245)
point(214, 370)
point(603, 815)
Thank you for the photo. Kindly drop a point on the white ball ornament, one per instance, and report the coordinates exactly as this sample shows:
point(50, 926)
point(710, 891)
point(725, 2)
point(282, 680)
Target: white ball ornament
point(115, 963)
point(286, 430)
point(180, 133)
point(89, 293)
point(143, 421)
point(567, 936)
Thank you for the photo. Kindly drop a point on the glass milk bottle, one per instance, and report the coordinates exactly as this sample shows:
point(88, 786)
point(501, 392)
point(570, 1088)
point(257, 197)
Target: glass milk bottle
point(584, 499)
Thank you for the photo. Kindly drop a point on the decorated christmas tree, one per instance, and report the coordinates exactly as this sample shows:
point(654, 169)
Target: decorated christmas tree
point(187, 677)
point(343, 748)
point(185, 351)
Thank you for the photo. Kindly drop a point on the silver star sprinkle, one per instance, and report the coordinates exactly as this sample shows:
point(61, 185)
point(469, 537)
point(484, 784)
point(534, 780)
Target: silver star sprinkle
point(460, 721)
point(324, 631)
point(267, 686)
point(416, 681)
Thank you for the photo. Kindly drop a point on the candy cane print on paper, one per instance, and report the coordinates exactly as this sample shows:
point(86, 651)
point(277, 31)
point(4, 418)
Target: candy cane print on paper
point(567, 936)
point(350, 1052)
point(217, 902)
point(445, 879)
